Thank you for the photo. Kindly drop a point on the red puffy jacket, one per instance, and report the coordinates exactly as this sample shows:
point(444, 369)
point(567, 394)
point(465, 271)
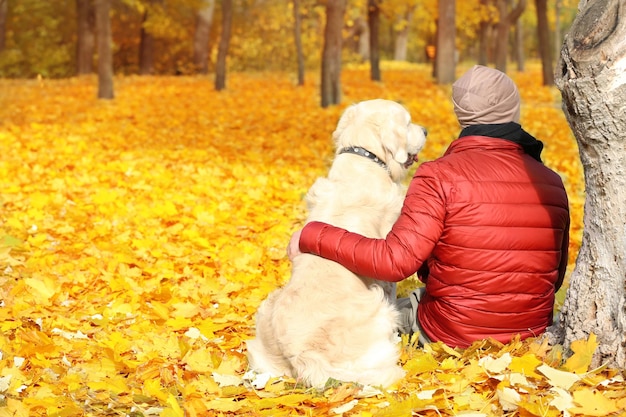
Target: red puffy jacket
point(490, 223)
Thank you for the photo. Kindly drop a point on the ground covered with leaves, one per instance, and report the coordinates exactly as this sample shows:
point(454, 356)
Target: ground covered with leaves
point(138, 237)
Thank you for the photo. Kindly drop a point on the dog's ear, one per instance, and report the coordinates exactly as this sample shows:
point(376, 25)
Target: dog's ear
point(417, 138)
point(394, 132)
point(345, 122)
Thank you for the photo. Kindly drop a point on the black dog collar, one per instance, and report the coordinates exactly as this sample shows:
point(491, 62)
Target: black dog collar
point(357, 150)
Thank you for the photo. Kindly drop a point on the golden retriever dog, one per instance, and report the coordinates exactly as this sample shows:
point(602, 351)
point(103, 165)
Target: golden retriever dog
point(327, 322)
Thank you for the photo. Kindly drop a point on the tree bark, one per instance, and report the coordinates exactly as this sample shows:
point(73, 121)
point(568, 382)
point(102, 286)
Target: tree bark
point(105, 53)
point(483, 38)
point(519, 45)
point(146, 48)
point(357, 38)
point(3, 23)
point(202, 33)
point(445, 59)
point(85, 36)
point(593, 87)
point(557, 28)
point(373, 22)
point(222, 52)
point(363, 46)
point(297, 33)
point(503, 28)
point(543, 35)
point(331, 55)
point(402, 36)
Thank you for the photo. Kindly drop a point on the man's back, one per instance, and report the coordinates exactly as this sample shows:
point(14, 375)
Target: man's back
point(503, 248)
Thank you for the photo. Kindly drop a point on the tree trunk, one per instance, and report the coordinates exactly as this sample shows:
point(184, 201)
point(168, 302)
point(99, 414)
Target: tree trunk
point(557, 28)
point(503, 28)
point(402, 37)
point(85, 36)
point(105, 53)
point(373, 22)
point(363, 47)
point(483, 43)
point(357, 39)
point(331, 55)
point(593, 87)
point(222, 52)
point(543, 35)
point(519, 45)
point(201, 37)
point(297, 33)
point(146, 48)
point(483, 38)
point(445, 65)
point(3, 23)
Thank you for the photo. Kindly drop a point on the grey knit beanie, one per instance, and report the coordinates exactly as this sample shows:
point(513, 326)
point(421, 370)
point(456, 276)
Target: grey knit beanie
point(485, 95)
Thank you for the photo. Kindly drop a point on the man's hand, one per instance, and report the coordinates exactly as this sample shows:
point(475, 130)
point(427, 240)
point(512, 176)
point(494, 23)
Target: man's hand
point(293, 249)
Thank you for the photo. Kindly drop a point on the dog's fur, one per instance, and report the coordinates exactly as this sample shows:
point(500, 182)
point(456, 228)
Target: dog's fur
point(327, 322)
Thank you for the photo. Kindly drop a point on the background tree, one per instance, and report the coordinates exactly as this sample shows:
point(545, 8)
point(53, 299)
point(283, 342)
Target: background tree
point(85, 36)
point(41, 37)
point(543, 36)
point(591, 79)
point(373, 23)
point(202, 36)
point(105, 53)
point(147, 41)
point(557, 27)
point(484, 43)
point(222, 53)
point(297, 35)
point(399, 13)
point(519, 45)
point(508, 15)
point(4, 7)
point(356, 35)
point(445, 59)
point(331, 53)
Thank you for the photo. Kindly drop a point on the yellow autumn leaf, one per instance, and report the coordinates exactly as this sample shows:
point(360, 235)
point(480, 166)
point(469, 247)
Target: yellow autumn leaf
point(14, 408)
point(290, 400)
point(495, 365)
point(114, 384)
point(562, 400)
point(539, 408)
point(583, 354)
point(593, 403)
point(173, 408)
point(102, 197)
point(45, 288)
point(559, 379)
point(199, 360)
point(152, 388)
point(423, 362)
point(230, 365)
point(225, 405)
point(525, 365)
point(186, 310)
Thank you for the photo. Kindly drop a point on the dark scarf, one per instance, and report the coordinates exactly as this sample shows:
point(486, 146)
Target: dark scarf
point(509, 131)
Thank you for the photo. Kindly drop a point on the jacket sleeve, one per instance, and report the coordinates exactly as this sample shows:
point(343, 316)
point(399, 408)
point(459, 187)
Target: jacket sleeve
point(404, 249)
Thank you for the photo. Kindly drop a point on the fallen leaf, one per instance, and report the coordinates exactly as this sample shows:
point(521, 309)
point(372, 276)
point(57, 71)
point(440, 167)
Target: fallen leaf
point(559, 379)
point(583, 354)
point(593, 403)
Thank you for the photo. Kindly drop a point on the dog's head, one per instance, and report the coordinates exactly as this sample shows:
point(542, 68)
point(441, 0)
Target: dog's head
point(384, 128)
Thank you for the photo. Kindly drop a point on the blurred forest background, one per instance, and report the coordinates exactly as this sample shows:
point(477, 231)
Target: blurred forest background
point(167, 37)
